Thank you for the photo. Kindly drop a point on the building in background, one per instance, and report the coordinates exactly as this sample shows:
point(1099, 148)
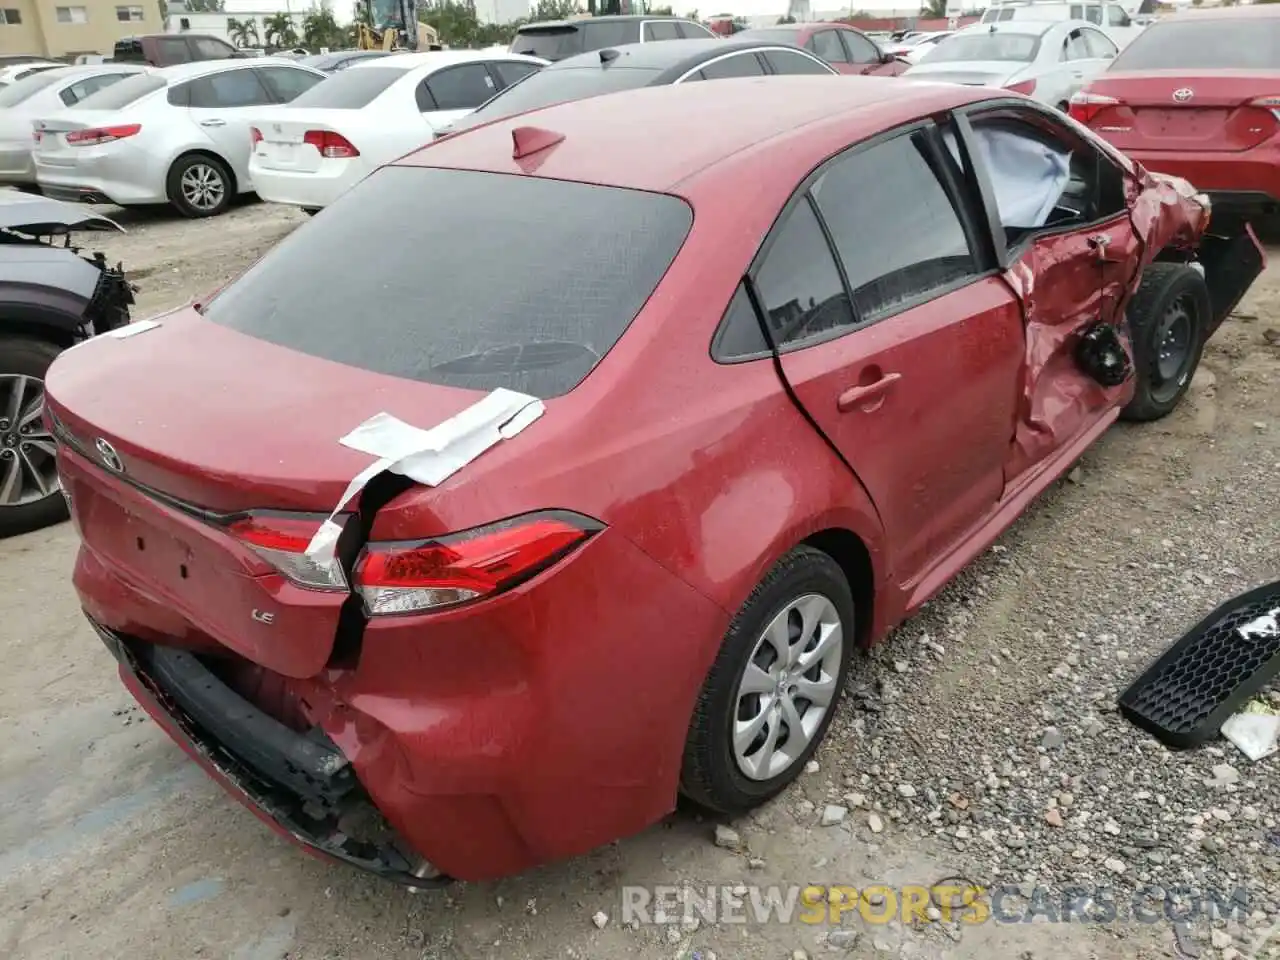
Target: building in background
point(66, 28)
point(221, 23)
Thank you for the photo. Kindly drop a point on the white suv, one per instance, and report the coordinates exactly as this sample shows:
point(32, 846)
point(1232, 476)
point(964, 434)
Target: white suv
point(1111, 17)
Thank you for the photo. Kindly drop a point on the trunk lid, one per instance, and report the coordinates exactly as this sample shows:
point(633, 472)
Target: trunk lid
point(204, 423)
point(49, 134)
point(283, 145)
point(1178, 110)
point(977, 73)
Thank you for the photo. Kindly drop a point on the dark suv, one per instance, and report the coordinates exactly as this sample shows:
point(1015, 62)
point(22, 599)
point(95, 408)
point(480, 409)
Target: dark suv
point(557, 39)
point(166, 49)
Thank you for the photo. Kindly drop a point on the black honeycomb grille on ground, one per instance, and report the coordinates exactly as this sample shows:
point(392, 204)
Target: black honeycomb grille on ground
point(1184, 697)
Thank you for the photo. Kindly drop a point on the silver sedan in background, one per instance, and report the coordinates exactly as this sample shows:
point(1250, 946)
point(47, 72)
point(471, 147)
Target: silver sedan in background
point(38, 95)
point(178, 135)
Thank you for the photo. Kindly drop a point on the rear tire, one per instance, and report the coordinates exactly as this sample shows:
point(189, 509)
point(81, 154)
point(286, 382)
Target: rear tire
point(1168, 318)
point(24, 466)
point(199, 185)
point(803, 604)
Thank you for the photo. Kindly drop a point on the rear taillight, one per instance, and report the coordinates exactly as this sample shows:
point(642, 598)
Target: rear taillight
point(1027, 87)
point(1084, 106)
point(95, 135)
point(332, 145)
point(427, 575)
point(281, 540)
point(255, 137)
point(1271, 103)
point(35, 136)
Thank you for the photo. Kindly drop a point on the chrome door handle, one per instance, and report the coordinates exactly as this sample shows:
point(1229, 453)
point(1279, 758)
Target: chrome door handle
point(856, 396)
point(213, 123)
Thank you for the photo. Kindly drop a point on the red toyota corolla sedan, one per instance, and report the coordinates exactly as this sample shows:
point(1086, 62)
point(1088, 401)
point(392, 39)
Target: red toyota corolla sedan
point(1198, 96)
point(565, 465)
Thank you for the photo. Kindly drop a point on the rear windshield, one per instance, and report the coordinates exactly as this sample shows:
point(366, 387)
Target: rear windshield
point(1229, 44)
point(550, 43)
point(549, 86)
point(1019, 47)
point(123, 93)
point(15, 93)
point(349, 89)
point(461, 278)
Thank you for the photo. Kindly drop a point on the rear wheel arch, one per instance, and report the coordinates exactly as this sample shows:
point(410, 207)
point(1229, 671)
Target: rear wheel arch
point(210, 155)
point(233, 186)
point(849, 551)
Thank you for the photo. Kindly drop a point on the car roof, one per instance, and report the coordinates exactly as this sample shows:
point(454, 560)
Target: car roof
point(437, 58)
point(785, 125)
point(200, 68)
point(1029, 27)
point(80, 69)
point(660, 55)
point(1262, 11)
point(611, 18)
point(337, 56)
point(799, 27)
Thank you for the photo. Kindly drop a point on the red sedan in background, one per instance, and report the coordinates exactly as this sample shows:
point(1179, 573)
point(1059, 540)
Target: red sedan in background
point(652, 426)
point(846, 48)
point(1198, 95)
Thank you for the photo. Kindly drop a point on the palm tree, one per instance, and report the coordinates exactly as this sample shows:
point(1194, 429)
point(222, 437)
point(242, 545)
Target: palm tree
point(319, 29)
point(280, 32)
point(238, 31)
point(934, 9)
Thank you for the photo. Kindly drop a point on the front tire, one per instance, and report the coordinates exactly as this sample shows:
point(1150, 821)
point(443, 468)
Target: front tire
point(199, 186)
point(1168, 321)
point(774, 687)
point(30, 494)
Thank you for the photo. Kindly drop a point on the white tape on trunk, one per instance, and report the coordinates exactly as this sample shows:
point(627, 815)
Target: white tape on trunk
point(430, 456)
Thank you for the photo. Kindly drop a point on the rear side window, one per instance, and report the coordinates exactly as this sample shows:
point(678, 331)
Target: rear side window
point(287, 84)
point(893, 253)
point(234, 88)
point(661, 30)
point(789, 61)
point(460, 88)
point(512, 71)
point(464, 279)
point(739, 65)
point(174, 51)
point(555, 43)
point(350, 89)
point(1240, 44)
point(610, 33)
point(827, 45)
point(799, 285)
point(122, 94)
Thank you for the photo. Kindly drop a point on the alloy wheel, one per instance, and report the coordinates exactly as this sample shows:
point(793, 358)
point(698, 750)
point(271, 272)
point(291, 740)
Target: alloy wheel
point(788, 686)
point(202, 186)
point(28, 465)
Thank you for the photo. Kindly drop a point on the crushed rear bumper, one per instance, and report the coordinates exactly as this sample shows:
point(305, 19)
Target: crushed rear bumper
point(299, 784)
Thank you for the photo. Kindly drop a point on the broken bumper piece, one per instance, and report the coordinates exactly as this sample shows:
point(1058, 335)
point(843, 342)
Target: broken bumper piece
point(299, 784)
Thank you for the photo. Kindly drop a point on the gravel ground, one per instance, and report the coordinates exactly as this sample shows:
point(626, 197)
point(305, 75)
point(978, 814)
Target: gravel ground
point(979, 742)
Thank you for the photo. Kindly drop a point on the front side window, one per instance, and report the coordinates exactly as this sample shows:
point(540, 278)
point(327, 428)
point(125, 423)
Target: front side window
point(827, 45)
point(893, 253)
point(861, 50)
point(1100, 45)
point(463, 87)
point(799, 285)
point(233, 88)
point(462, 278)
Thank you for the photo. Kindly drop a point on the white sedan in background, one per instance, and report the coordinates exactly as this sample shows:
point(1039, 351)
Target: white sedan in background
point(1046, 60)
point(39, 94)
point(924, 45)
point(178, 135)
point(309, 152)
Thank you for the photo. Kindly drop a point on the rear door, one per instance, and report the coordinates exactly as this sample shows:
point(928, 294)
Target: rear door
point(1059, 214)
point(171, 50)
point(221, 104)
point(863, 54)
point(898, 337)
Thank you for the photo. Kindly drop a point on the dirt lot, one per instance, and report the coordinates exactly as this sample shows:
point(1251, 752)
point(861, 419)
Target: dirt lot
point(979, 742)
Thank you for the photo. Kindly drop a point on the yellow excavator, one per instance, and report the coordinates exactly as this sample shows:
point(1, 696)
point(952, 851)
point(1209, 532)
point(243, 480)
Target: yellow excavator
point(389, 25)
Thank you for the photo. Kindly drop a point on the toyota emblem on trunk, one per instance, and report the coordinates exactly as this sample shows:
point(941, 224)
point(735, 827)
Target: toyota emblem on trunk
point(1183, 94)
point(110, 459)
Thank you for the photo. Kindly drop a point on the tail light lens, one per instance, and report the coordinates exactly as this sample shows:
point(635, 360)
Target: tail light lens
point(1027, 87)
point(255, 137)
point(95, 135)
point(332, 145)
point(35, 136)
point(281, 540)
point(1084, 106)
point(427, 575)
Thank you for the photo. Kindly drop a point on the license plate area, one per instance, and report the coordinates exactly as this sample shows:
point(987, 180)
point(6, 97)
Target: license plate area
point(1198, 124)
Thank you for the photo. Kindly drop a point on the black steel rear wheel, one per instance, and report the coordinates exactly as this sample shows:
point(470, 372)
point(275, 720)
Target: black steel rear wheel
point(1168, 320)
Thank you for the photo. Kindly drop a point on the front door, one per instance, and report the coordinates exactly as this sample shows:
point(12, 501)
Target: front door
point(1061, 220)
point(904, 348)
